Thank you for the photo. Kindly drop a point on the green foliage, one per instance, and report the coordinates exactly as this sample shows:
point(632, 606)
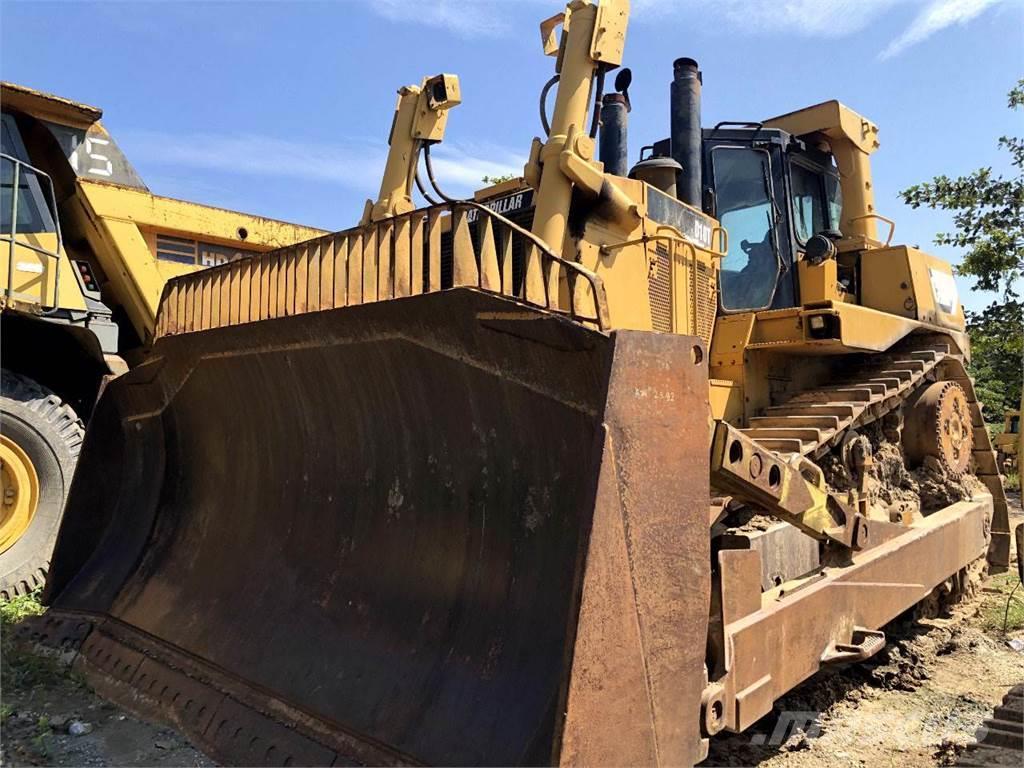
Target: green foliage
point(19, 667)
point(997, 348)
point(988, 212)
point(498, 179)
point(999, 606)
point(1011, 482)
point(13, 611)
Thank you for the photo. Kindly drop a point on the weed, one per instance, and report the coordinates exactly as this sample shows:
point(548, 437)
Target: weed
point(1011, 481)
point(1000, 605)
point(41, 742)
point(20, 667)
point(21, 607)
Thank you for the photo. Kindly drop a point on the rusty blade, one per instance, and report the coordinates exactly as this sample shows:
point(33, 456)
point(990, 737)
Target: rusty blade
point(367, 533)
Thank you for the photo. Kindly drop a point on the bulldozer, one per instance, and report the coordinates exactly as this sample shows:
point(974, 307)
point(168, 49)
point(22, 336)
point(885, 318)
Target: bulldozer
point(585, 469)
point(1007, 442)
point(88, 249)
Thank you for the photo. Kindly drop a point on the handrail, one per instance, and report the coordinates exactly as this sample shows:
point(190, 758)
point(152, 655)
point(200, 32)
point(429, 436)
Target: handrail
point(883, 219)
point(392, 258)
point(12, 238)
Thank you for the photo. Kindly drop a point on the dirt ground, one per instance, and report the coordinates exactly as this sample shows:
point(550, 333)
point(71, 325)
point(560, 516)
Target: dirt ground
point(917, 704)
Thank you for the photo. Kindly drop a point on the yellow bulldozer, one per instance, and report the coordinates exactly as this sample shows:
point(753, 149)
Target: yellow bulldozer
point(86, 252)
point(585, 469)
point(1007, 443)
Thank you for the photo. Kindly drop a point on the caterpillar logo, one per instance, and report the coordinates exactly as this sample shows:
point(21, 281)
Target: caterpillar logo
point(506, 205)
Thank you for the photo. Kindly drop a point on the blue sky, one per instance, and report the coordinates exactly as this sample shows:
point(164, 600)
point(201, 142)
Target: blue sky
point(283, 108)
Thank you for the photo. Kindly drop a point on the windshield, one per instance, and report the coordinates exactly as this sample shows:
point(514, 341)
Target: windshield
point(809, 215)
point(750, 269)
point(33, 211)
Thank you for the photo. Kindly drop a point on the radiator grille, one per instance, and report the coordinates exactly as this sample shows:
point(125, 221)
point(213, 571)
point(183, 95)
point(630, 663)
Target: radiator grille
point(523, 217)
point(659, 290)
point(703, 300)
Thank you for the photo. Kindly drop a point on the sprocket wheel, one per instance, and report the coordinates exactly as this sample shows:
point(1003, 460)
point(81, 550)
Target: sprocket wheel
point(938, 424)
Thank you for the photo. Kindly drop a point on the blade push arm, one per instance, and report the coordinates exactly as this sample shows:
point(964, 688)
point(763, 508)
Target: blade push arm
point(794, 491)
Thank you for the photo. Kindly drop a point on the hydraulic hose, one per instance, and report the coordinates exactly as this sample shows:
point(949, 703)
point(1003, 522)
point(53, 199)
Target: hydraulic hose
point(543, 104)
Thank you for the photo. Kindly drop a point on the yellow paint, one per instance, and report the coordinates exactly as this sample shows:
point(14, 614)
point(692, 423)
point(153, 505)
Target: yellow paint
point(651, 276)
point(47, 106)
point(726, 400)
point(120, 224)
point(419, 117)
point(899, 280)
point(1008, 442)
point(19, 486)
point(818, 282)
point(852, 139)
point(35, 274)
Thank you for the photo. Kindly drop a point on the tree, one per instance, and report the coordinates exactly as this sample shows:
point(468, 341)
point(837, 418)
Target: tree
point(988, 212)
point(997, 348)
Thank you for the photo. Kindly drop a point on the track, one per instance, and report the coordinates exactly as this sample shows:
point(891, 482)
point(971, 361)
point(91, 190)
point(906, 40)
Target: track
point(815, 421)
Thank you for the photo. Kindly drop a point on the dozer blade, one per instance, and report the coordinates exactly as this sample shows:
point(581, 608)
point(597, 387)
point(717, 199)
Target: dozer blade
point(441, 529)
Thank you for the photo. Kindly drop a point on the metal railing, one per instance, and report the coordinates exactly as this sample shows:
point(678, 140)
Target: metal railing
point(11, 238)
point(450, 245)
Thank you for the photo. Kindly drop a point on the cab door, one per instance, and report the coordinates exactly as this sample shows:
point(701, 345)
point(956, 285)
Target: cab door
point(29, 230)
point(746, 179)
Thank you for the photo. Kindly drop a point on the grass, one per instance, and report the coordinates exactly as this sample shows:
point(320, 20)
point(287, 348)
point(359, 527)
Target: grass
point(19, 667)
point(1000, 606)
point(1011, 481)
point(21, 607)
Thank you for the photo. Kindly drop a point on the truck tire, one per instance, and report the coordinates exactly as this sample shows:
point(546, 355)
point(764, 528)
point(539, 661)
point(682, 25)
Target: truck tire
point(40, 437)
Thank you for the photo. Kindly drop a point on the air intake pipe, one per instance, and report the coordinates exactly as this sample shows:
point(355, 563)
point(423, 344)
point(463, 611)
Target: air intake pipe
point(685, 129)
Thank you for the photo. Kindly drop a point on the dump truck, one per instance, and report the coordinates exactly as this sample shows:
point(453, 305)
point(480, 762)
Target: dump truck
point(585, 469)
point(1007, 442)
point(88, 249)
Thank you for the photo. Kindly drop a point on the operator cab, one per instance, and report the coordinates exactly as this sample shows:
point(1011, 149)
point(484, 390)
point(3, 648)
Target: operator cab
point(35, 204)
point(772, 193)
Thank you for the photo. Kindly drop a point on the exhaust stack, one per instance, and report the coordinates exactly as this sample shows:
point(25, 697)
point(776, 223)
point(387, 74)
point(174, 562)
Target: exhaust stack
point(685, 129)
point(613, 151)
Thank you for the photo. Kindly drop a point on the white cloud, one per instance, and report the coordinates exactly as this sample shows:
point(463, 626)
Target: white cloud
point(827, 18)
point(935, 16)
point(353, 164)
point(463, 166)
point(819, 18)
point(485, 18)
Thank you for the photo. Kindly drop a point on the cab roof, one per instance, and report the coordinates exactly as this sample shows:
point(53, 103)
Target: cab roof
point(47, 106)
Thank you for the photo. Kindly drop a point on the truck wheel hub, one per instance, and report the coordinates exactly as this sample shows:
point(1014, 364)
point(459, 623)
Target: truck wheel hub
point(19, 486)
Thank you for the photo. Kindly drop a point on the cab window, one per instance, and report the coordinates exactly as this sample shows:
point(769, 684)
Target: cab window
point(809, 214)
point(834, 195)
point(750, 270)
point(34, 213)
